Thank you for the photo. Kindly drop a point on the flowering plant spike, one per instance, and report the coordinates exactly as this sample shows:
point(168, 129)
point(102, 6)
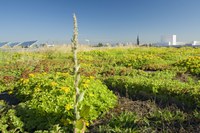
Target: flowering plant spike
point(78, 96)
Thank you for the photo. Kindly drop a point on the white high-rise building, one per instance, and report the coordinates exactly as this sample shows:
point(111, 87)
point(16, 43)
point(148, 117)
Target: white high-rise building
point(173, 39)
point(168, 40)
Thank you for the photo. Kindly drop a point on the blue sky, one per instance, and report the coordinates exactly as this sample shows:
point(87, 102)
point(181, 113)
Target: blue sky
point(99, 20)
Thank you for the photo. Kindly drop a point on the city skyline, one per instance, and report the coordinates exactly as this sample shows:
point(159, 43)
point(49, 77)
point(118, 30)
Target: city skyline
point(99, 21)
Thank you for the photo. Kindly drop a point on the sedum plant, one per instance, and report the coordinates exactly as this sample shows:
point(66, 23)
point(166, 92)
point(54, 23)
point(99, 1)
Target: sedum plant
point(47, 100)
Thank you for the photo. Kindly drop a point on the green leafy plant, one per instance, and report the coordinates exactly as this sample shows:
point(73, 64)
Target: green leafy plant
point(191, 64)
point(9, 122)
point(48, 99)
point(157, 85)
point(126, 122)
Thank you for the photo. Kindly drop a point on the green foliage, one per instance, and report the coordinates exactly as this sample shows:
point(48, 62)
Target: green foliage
point(9, 122)
point(160, 85)
point(36, 78)
point(161, 116)
point(191, 64)
point(130, 122)
point(196, 114)
point(126, 122)
point(53, 129)
point(47, 99)
point(100, 45)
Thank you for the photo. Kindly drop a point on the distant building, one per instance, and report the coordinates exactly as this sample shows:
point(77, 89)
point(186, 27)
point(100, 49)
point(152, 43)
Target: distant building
point(50, 45)
point(168, 40)
point(194, 43)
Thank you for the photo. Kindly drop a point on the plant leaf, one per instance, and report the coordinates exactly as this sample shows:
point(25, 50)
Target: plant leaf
point(84, 113)
point(80, 97)
point(80, 125)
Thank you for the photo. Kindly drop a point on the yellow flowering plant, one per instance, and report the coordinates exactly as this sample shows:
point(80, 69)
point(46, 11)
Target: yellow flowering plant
point(47, 98)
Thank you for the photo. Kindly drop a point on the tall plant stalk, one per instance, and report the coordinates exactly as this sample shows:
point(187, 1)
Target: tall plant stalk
point(78, 96)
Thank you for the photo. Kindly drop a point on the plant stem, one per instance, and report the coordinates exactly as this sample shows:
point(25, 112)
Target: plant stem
point(76, 71)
